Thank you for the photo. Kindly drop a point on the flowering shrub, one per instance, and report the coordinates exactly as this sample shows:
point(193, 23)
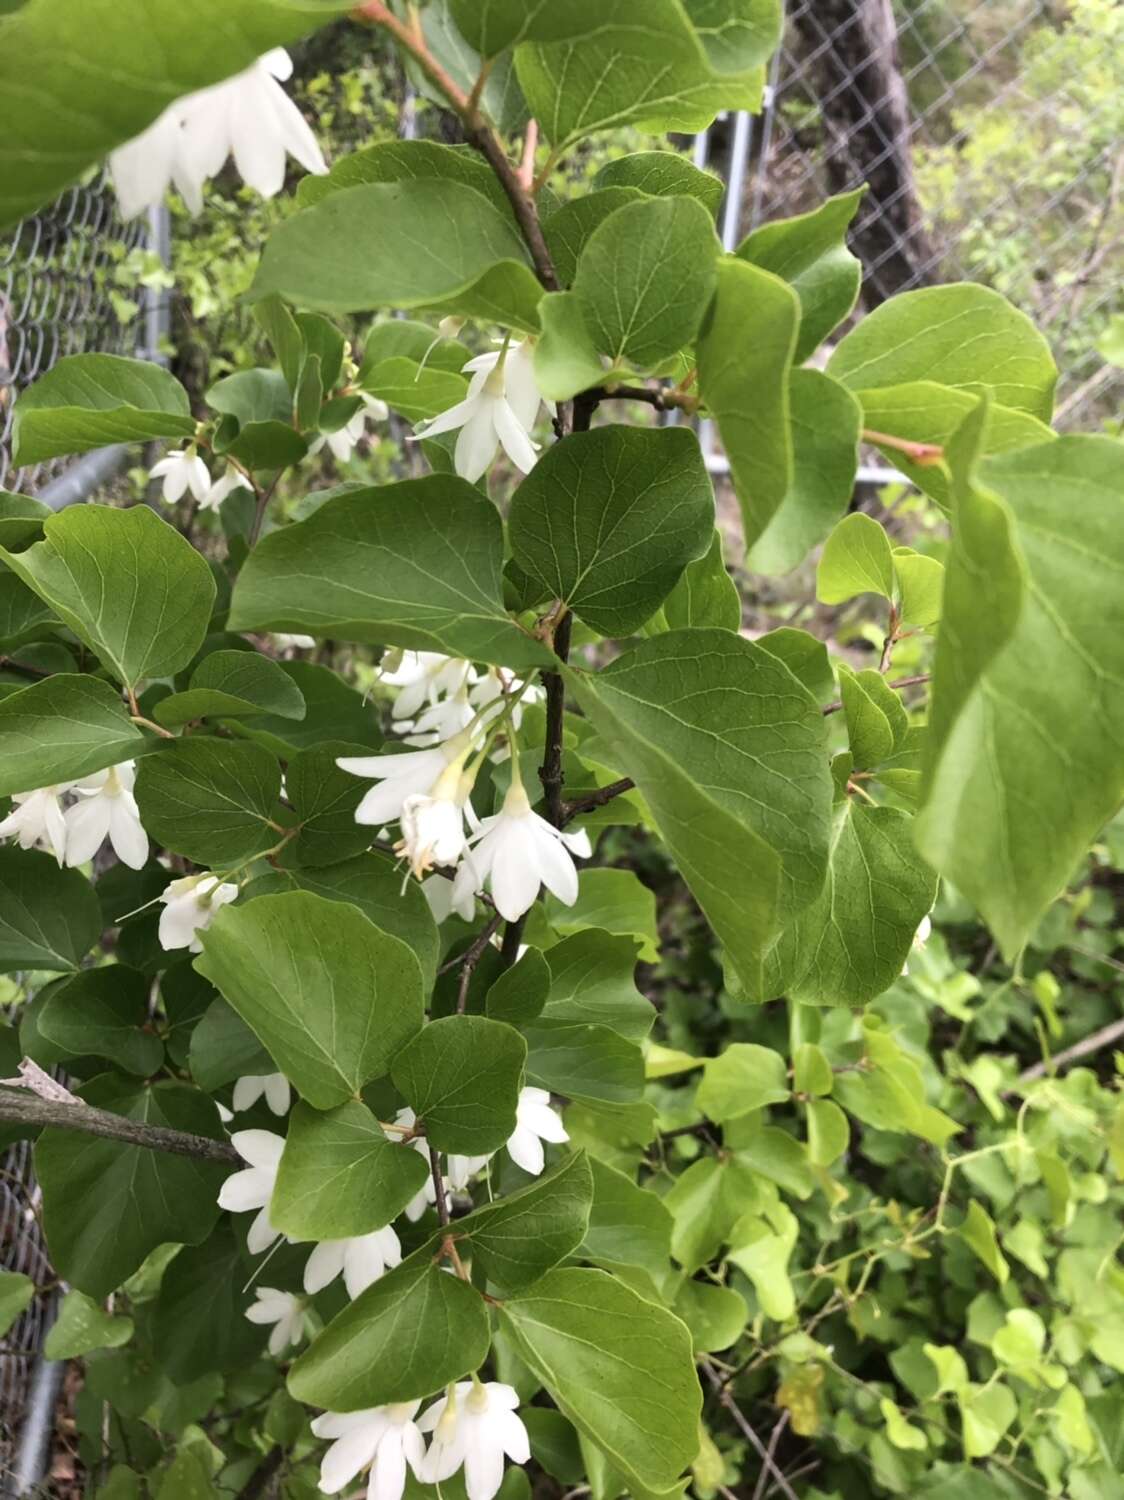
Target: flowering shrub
point(371, 1138)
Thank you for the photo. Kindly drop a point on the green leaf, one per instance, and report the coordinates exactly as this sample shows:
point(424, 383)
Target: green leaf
point(716, 1315)
point(986, 1412)
point(462, 1076)
point(373, 883)
point(856, 559)
point(756, 833)
point(952, 1372)
point(829, 1135)
point(413, 1331)
point(742, 1077)
point(198, 1322)
point(920, 588)
point(645, 278)
point(587, 66)
point(891, 1096)
point(826, 421)
point(252, 396)
point(340, 1176)
point(325, 799)
point(628, 1225)
point(16, 1292)
point(877, 722)
point(235, 684)
point(402, 338)
point(900, 1432)
point(519, 1237)
point(333, 711)
point(591, 979)
point(978, 1233)
point(92, 400)
point(332, 997)
point(745, 356)
point(49, 918)
point(406, 161)
point(851, 942)
point(520, 992)
point(608, 520)
point(106, 1205)
point(762, 1248)
point(103, 74)
point(284, 335)
point(61, 729)
point(662, 174)
point(953, 335)
point(618, 1366)
point(589, 1062)
point(434, 243)
point(83, 1326)
point(566, 359)
point(413, 391)
point(567, 231)
point(615, 900)
point(705, 1202)
point(23, 615)
point(210, 799)
point(100, 1013)
point(810, 253)
point(223, 1048)
point(923, 412)
point(706, 597)
point(1021, 771)
point(126, 583)
point(416, 564)
point(21, 520)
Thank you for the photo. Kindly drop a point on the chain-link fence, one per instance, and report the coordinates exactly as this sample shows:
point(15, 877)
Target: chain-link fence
point(991, 135)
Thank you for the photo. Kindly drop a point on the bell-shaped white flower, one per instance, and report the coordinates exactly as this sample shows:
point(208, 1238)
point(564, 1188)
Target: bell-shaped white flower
point(253, 1187)
point(248, 116)
point(535, 1122)
point(516, 851)
point(414, 773)
point(499, 410)
point(474, 1425)
point(362, 1260)
point(443, 901)
point(181, 471)
point(440, 721)
point(284, 1311)
point(107, 809)
point(498, 684)
point(274, 1087)
point(432, 822)
point(37, 820)
point(190, 905)
point(385, 1438)
point(343, 442)
point(423, 677)
point(232, 479)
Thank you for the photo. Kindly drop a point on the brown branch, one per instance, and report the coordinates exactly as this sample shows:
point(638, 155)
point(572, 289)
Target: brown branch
point(259, 1481)
point(902, 682)
point(33, 674)
point(774, 1439)
point(662, 398)
point(19, 1108)
point(478, 132)
point(603, 794)
point(1092, 1043)
point(769, 1462)
point(441, 1201)
point(550, 773)
point(471, 957)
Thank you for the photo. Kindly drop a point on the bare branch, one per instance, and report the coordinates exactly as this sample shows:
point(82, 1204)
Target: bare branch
point(25, 1108)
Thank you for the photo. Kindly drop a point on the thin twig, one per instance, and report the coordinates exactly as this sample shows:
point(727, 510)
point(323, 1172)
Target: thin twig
point(1092, 1043)
point(479, 134)
point(774, 1438)
point(471, 957)
point(19, 669)
point(551, 772)
point(258, 1482)
point(663, 398)
point(924, 455)
point(440, 1199)
point(603, 794)
point(727, 1400)
point(28, 1109)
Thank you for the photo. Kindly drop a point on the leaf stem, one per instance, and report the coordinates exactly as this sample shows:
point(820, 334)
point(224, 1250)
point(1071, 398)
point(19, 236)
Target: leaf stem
point(925, 455)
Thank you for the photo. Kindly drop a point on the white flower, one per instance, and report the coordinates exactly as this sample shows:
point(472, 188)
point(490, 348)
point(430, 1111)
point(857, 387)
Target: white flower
point(36, 819)
point(402, 776)
point(920, 938)
point(190, 905)
point(181, 471)
point(440, 721)
point(535, 1122)
point(500, 408)
point(362, 1259)
point(474, 1425)
point(433, 823)
point(274, 1086)
point(295, 642)
point(520, 852)
point(460, 1169)
point(345, 440)
point(439, 892)
point(385, 1437)
point(422, 677)
point(282, 1309)
point(498, 683)
point(107, 809)
point(253, 1187)
point(232, 479)
point(248, 115)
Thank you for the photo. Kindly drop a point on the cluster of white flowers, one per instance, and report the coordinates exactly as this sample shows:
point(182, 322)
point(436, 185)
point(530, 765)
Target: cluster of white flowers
point(474, 1426)
point(444, 706)
point(500, 410)
point(343, 442)
point(183, 472)
point(249, 117)
point(103, 807)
